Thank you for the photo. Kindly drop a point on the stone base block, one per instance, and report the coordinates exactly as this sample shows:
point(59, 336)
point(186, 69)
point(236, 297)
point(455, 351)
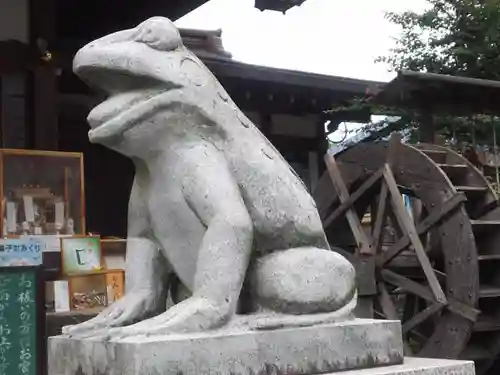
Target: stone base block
point(420, 366)
point(323, 348)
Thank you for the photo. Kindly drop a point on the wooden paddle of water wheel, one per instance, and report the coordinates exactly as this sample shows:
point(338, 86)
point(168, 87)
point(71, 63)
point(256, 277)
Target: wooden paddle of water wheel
point(435, 266)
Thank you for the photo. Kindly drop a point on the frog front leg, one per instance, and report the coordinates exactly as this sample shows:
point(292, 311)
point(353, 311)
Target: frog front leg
point(213, 195)
point(146, 276)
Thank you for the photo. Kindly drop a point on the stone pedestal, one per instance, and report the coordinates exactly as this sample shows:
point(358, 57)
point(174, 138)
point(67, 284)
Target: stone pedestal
point(420, 366)
point(374, 345)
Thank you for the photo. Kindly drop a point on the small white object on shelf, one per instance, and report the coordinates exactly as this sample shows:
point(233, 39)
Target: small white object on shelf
point(29, 209)
point(70, 226)
point(25, 227)
point(59, 209)
point(11, 217)
point(61, 296)
point(58, 226)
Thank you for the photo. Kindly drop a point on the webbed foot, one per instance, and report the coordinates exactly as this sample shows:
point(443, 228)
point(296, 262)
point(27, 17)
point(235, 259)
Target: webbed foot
point(192, 315)
point(131, 308)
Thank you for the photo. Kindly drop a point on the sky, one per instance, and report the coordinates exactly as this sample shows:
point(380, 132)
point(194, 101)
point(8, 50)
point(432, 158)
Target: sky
point(334, 37)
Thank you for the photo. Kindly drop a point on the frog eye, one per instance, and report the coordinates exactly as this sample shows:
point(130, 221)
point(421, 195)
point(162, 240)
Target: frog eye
point(159, 33)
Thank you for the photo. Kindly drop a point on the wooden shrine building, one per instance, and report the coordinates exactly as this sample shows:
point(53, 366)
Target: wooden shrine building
point(44, 105)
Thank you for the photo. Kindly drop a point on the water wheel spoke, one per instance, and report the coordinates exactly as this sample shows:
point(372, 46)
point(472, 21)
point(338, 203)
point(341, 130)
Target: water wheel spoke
point(395, 221)
point(440, 275)
point(463, 309)
point(422, 316)
point(399, 291)
point(455, 306)
point(363, 244)
point(407, 284)
point(432, 219)
point(390, 311)
point(386, 303)
point(345, 205)
point(380, 219)
point(410, 307)
point(410, 230)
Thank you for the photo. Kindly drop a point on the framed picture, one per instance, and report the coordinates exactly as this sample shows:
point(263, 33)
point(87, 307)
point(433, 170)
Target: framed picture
point(81, 254)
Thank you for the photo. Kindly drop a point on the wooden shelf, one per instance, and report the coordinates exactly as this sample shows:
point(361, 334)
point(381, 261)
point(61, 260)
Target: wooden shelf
point(114, 246)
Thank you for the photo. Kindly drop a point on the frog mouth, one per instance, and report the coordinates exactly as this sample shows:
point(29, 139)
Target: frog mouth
point(128, 96)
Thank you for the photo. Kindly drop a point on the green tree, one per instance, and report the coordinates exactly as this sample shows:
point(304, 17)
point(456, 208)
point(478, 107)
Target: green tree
point(458, 37)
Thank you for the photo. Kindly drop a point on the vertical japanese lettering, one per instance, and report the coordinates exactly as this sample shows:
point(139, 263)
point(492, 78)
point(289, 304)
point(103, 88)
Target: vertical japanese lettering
point(25, 300)
point(17, 320)
point(5, 330)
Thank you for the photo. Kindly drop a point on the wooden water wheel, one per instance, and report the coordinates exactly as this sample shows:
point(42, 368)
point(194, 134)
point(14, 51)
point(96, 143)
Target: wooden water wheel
point(434, 267)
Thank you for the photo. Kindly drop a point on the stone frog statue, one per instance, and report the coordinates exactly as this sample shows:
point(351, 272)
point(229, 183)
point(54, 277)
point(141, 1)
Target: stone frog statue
point(213, 202)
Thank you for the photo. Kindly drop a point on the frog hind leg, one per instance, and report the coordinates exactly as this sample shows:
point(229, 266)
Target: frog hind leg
point(302, 281)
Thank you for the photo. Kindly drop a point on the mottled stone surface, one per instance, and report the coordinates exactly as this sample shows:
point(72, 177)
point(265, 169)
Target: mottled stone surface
point(213, 201)
point(421, 366)
point(301, 280)
point(308, 350)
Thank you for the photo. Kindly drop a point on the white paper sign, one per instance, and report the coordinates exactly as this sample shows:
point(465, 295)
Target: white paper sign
point(29, 212)
point(11, 217)
point(49, 242)
point(59, 213)
point(61, 296)
point(16, 252)
point(110, 293)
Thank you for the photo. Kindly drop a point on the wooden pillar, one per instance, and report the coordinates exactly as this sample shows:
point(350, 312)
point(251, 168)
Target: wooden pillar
point(426, 126)
point(13, 110)
point(322, 145)
point(14, 107)
point(44, 78)
point(266, 124)
point(313, 169)
point(45, 113)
